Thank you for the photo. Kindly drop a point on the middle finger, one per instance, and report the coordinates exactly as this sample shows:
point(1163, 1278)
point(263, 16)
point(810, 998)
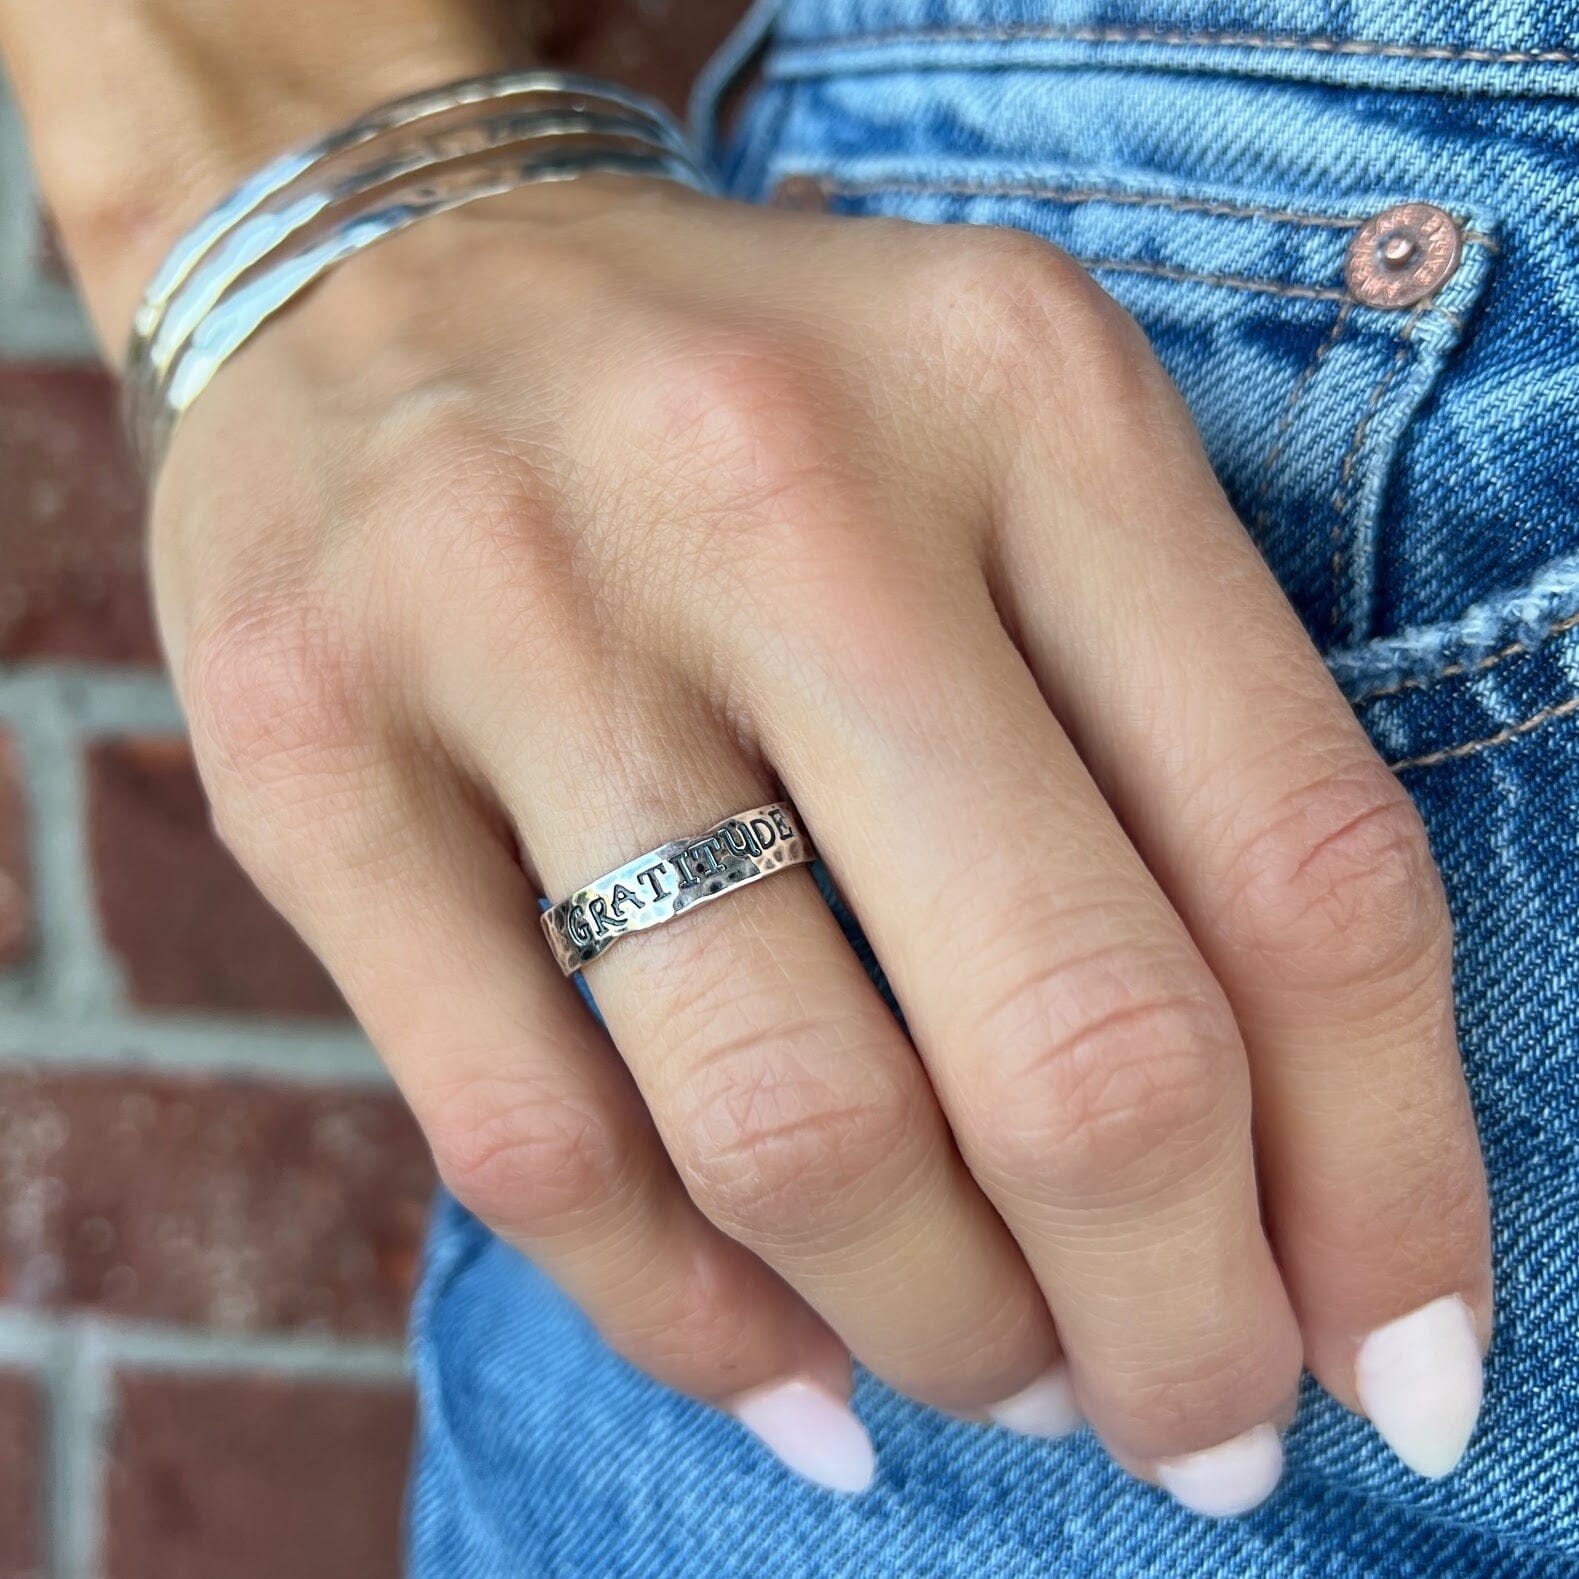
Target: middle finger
point(1087, 1061)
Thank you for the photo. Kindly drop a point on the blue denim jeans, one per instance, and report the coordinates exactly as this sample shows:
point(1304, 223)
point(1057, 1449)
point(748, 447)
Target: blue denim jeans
point(1411, 476)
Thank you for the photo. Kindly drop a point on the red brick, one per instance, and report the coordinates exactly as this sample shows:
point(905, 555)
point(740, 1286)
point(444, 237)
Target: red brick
point(21, 1477)
point(255, 1477)
point(16, 907)
point(71, 573)
point(227, 1204)
point(190, 930)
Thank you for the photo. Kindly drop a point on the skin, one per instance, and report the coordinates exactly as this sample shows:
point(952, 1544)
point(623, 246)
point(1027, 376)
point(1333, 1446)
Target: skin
point(552, 529)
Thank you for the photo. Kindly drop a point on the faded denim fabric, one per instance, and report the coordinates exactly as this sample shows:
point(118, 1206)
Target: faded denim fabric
point(1411, 476)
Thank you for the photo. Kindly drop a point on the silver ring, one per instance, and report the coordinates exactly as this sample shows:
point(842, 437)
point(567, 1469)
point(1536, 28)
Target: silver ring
point(676, 877)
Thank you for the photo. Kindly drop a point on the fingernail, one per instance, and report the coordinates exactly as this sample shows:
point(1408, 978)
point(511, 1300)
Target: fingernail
point(809, 1430)
point(1046, 1408)
point(1420, 1380)
point(1231, 1478)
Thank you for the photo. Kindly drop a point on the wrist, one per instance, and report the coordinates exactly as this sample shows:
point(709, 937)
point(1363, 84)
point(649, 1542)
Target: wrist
point(181, 101)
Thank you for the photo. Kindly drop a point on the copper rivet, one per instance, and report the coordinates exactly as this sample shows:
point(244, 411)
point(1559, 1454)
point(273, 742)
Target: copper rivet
point(1397, 251)
point(1402, 255)
point(803, 193)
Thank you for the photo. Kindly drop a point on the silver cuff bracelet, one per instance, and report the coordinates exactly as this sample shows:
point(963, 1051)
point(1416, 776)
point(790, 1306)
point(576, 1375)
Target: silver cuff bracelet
point(288, 225)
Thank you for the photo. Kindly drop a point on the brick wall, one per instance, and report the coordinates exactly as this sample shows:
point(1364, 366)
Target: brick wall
point(210, 1202)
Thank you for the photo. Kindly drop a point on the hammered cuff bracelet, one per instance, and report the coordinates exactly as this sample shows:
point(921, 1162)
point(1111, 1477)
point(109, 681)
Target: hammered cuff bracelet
point(283, 229)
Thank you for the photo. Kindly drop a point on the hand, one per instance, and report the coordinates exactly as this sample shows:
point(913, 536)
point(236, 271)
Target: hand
point(566, 525)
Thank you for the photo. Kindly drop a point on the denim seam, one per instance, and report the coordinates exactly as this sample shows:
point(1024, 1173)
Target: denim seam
point(1291, 407)
point(1122, 197)
point(1236, 282)
point(1502, 736)
point(865, 189)
point(1141, 34)
point(1095, 194)
point(1342, 495)
point(1453, 670)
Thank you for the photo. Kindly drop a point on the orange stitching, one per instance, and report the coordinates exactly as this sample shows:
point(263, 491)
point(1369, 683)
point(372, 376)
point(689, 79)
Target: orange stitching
point(1512, 650)
point(867, 189)
point(1091, 194)
point(1287, 43)
point(1238, 282)
point(1295, 395)
point(1119, 196)
point(1512, 732)
point(1340, 496)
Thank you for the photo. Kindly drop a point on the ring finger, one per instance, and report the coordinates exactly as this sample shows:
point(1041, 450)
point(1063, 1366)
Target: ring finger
point(792, 1103)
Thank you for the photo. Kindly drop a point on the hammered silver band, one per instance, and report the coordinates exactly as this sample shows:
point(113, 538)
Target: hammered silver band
point(676, 877)
point(300, 216)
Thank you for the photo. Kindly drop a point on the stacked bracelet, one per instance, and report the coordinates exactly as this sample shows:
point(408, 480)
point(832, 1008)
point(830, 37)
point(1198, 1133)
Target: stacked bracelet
point(293, 221)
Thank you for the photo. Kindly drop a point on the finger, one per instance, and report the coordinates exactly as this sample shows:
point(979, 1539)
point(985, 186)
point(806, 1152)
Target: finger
point(409, 892)
point(792, 1103)
point(1087, 1061)
point(1303, 871)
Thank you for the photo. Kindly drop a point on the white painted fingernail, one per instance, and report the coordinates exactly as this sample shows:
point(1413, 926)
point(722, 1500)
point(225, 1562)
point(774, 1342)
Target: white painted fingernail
point(1231, 1478)
point(1420, 1380)
point(1046, 1408)
point(811, 1431)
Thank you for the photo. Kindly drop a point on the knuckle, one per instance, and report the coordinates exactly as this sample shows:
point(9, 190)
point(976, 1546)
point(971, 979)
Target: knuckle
point(1340, 885)
point(736, 434)
point(738, 408)
point(772, 1144)
point(1006, 283)
point(468, 517)
point(284, 707)
point(441, 459)
point(527, 1161)
point(277, 684)
point(1036, 324)
point(1089, 1070)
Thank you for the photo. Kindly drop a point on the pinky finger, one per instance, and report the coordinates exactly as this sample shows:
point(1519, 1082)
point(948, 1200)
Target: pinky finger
point(537, 1127)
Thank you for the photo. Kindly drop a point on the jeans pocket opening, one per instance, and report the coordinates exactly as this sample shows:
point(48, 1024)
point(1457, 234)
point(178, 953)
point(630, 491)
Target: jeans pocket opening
point(1337, 384)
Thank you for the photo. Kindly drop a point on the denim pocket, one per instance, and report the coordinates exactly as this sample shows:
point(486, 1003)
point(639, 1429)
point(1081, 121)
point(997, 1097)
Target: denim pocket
point(1398, 467)
point(1302, 394)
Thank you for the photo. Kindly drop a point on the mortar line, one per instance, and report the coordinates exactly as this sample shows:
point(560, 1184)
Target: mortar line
point(27, 1339)
point(305, 1356)
point(79, 1428)
point(102, 699)
point(302, 1055)
point(33, 1337)
point(72, 972)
